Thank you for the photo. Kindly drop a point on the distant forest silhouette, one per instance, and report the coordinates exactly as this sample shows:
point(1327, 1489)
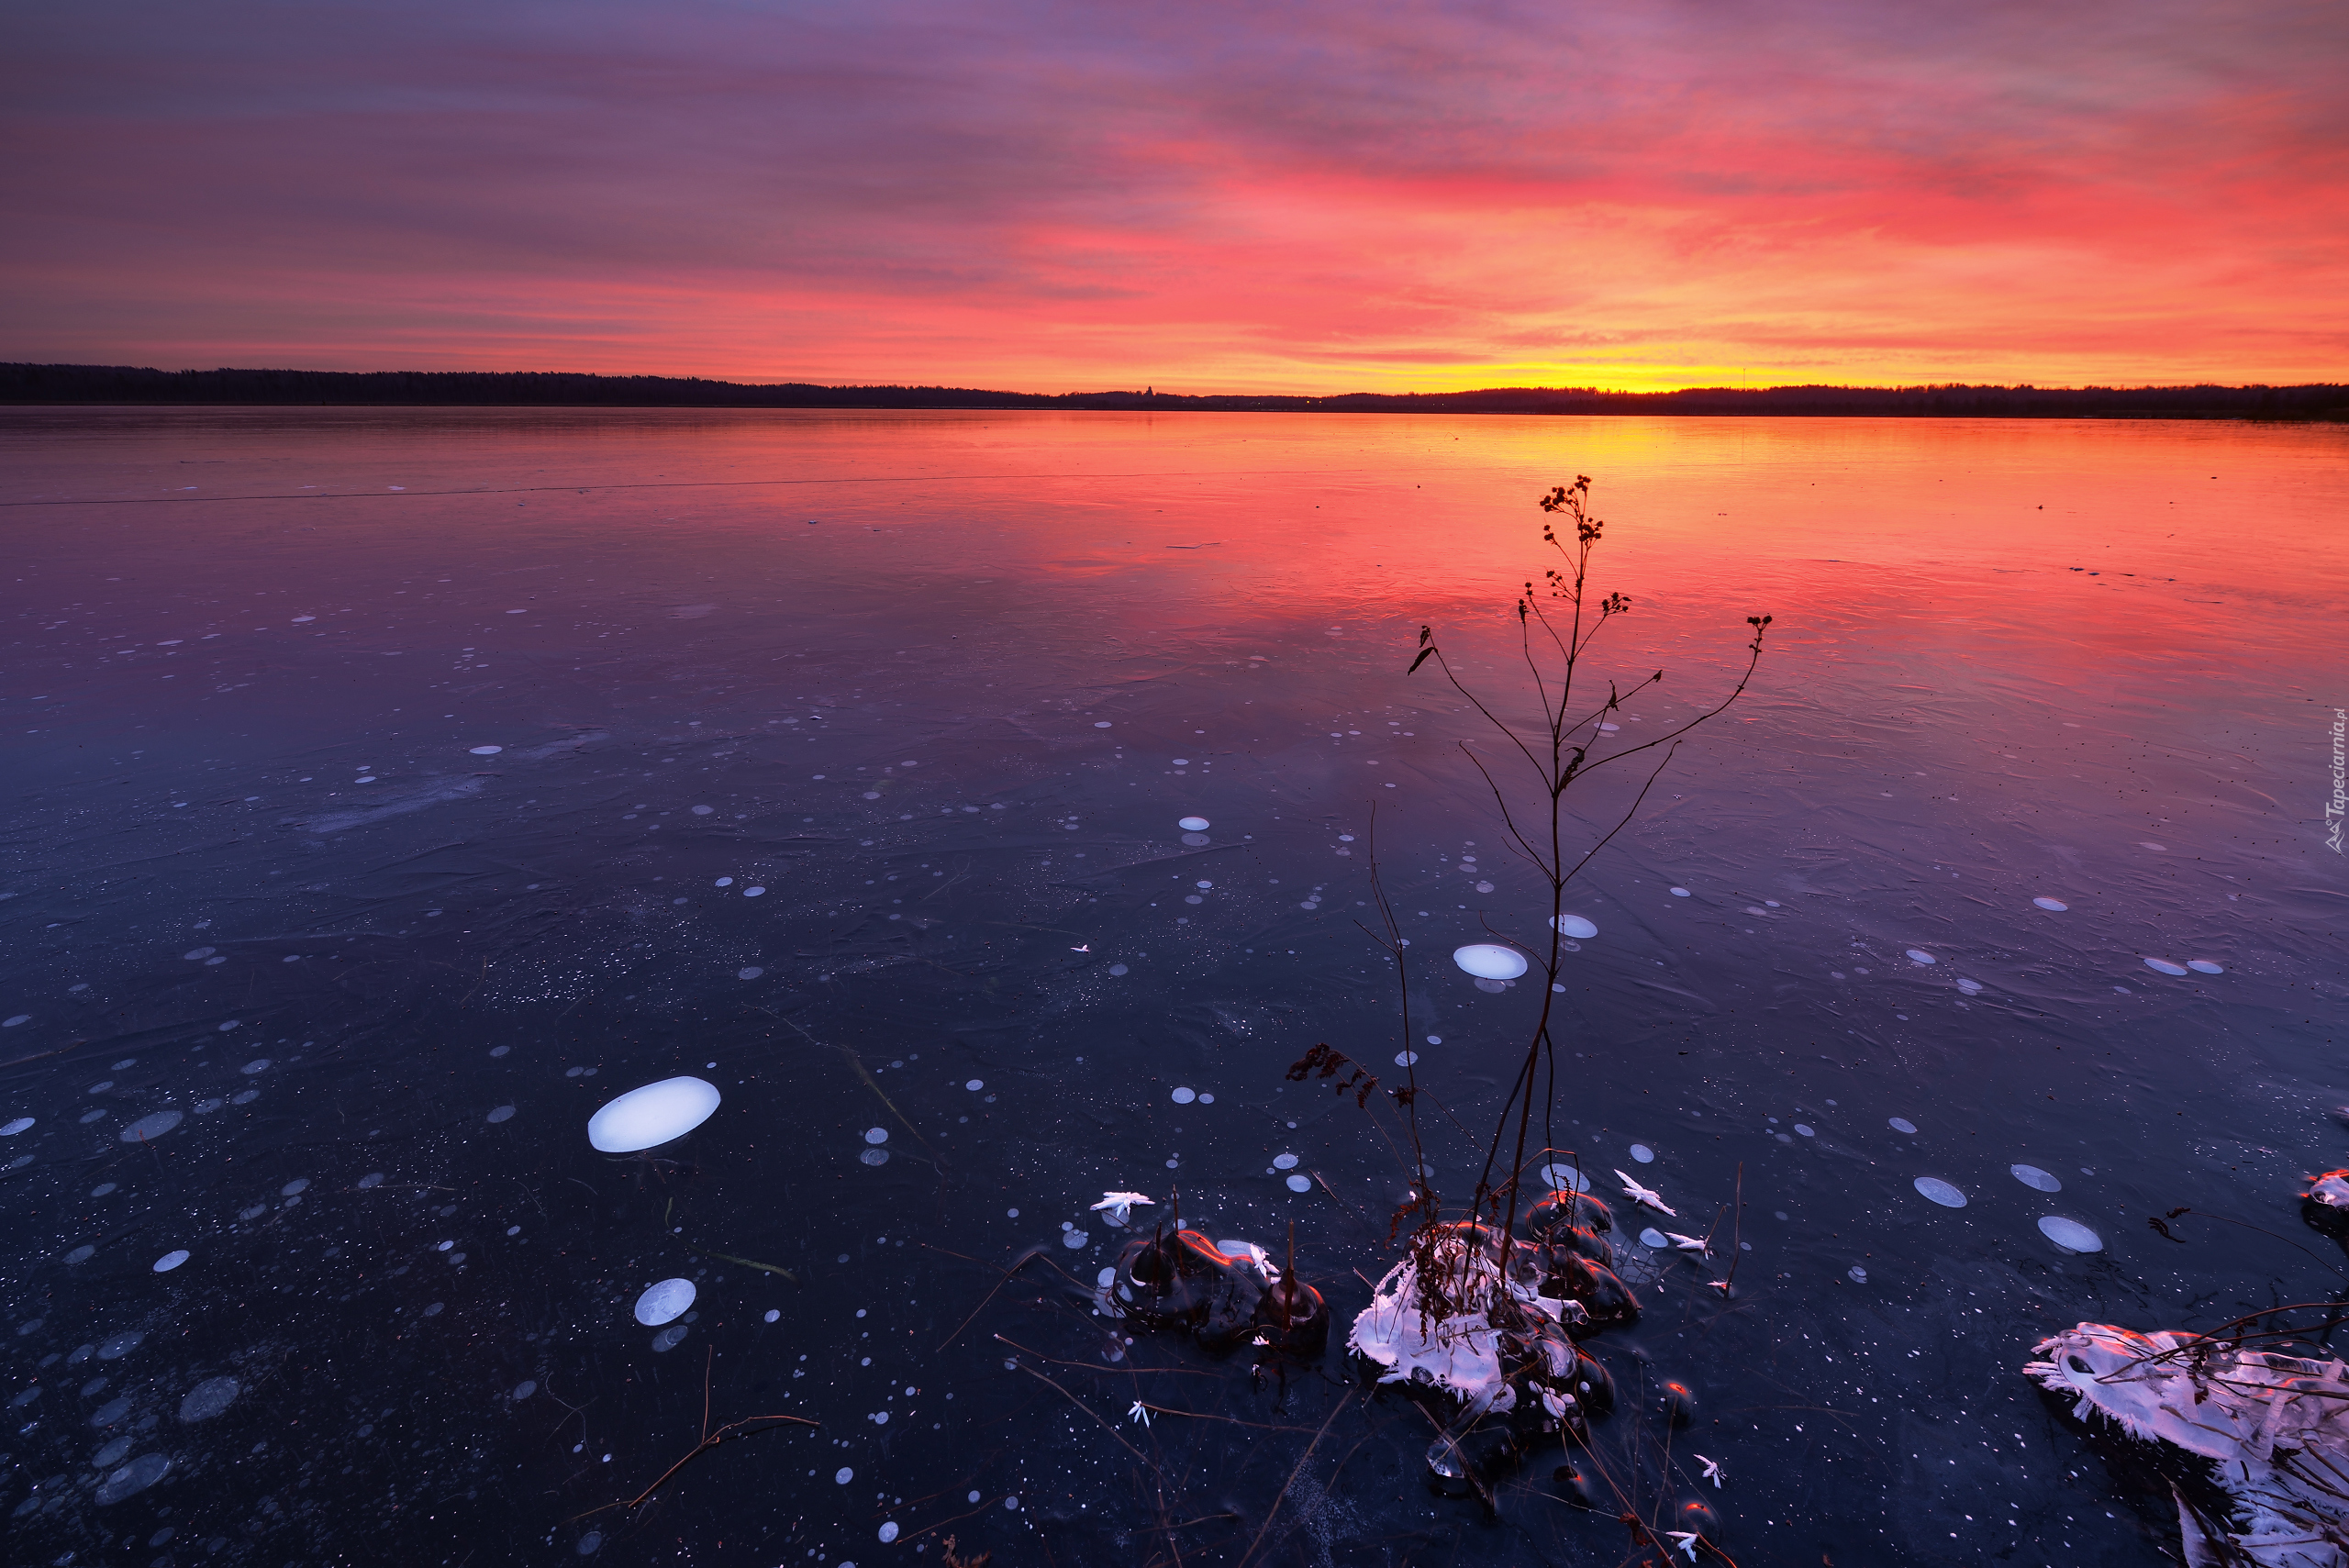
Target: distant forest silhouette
point(30, 383)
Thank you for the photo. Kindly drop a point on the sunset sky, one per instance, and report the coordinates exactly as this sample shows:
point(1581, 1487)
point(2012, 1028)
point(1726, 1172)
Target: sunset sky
point(1206, 197)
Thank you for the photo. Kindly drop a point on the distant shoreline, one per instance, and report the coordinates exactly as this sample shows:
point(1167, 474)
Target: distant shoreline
point(30, 385)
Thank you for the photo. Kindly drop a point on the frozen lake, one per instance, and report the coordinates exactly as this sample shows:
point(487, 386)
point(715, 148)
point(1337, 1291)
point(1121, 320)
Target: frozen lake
point(389, 791)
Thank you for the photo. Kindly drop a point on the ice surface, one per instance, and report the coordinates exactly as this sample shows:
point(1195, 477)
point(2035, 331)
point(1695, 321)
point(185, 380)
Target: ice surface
point(664, 1302)
point(648, 1117)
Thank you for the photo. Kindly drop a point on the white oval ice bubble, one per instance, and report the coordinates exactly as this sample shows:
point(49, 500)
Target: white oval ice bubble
point(121, 1345)
point(1407, 1059)
point(748, 972)
point(1856, 1274)
point(1299, 1184)
point(114, 1453)
point(1654, 1239)
point(1805, 1131)
point(1072, 1240)
point(1920, 955)
point(843, 1475)
point(1971, 987)
point(21, 1124)
point(1117, 969)
point(259, 1064)
point(2204, 966)
point(2032, 1176)
point(888, 1532)
point(171, 1261)
point(1575, 926)
point(1185, 1096)
point(754, 893)
point(82, 1254)
point(502, 1113)
point(876, 1135)
point(2164, 966)
point(1682, 893)
point(486, 751)
point(1489, 960)
point(651, 1115)
point(1941, 1192)
point(1901, 1124)
point(591, 1543)
point(525, 1388)
point(2070, 1234)
point(1284, 1161)
point(12, 1019)
point(724, 881)
point(2057, 905)
point(1642, 1153)
point(976, 1085)
point(1193, 824)
point(1565, 1178)
point(704, 810)
point(774, 1315)
point(1100, 724)
point(132, 1478)
point(664, 1302)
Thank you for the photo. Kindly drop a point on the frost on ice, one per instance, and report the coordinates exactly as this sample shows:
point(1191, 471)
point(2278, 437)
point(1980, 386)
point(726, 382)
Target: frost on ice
point(2277, 1426)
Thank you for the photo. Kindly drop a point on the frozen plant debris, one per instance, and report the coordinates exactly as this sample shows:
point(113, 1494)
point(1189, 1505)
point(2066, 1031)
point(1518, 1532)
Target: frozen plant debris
point(1645, 1196)
point(651, 1115)
point(2277, 1425)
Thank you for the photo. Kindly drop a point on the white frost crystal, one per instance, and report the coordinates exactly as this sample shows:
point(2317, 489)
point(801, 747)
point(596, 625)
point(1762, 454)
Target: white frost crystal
point(2277, 1425)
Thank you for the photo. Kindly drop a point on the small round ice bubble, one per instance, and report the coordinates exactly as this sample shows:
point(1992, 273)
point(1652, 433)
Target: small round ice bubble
point(501, 1112)
point(1642, 1153)
point(2057, 905)
point(888, 1532)
point(1407, 1059)
point(1100, 724)
point(1919, 955)
point(2164, 966)
point(1185, 1096)
point(152, 1126)
point(774, 1315)
point(843, 1475)
point(1284, 1161)
point(2032, 1176)
point(1300, 1183)
point(487, 751)
point(754, 893)
point(724, 881)
point(1654, 1239)
point(1941, 1192)
point(2070, 1234)
point(1901, 1124)
point(208, 1398)
point(1489, 960)
point(1565, 1178)
point(1074, 1239)
point(1575, 926)
point(664, 1302)
point(1682, 893)
point(1193, 824)
point(2204, 966)
point(651, 1115)
point(876, 1135)
point(171, 1261)
point(976, 1085)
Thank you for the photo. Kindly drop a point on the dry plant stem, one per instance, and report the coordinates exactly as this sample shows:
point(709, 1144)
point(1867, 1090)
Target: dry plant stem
point(709, 1440)
point(1562, 755)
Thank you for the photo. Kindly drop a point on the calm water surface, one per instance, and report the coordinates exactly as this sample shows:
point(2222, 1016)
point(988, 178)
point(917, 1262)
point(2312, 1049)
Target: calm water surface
point(839, 763)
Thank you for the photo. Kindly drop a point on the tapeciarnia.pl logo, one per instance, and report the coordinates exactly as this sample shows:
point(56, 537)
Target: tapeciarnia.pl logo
point(2336, 808)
